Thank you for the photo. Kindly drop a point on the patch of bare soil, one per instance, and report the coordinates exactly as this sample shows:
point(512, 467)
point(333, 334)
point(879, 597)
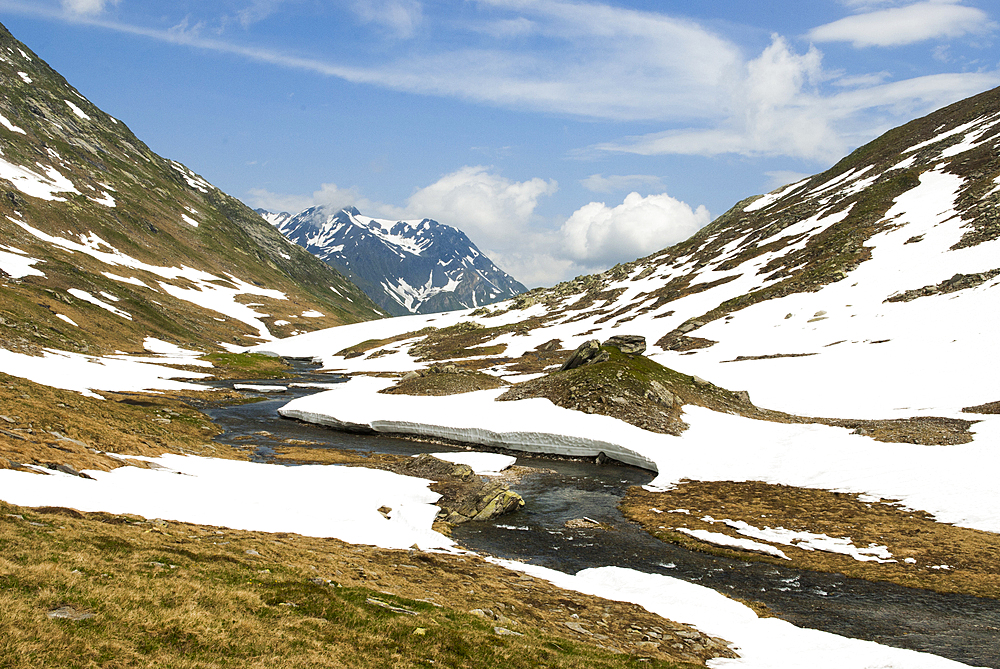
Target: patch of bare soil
point(159, 591)
point(447, 380)
point(926, 430)
point(941, 557)
point(988, 408)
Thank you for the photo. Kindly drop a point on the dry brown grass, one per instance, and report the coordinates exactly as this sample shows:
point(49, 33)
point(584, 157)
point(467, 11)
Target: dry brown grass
point(445, 384)
point(972, 555)
point(183, 595)
point(123, 423)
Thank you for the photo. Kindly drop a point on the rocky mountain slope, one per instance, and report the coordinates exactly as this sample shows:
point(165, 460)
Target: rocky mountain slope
point(105, 243)
point(404, 266)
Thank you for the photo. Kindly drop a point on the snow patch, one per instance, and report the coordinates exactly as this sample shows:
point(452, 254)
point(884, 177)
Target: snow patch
point(10, 126)
point(484, 464)
point(16, 264)
point(42, 186)
point(719, 539)
point(87, 297)
point(76, 110)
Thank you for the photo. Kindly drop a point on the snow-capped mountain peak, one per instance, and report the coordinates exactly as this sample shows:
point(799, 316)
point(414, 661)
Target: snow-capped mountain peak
point(406, 266)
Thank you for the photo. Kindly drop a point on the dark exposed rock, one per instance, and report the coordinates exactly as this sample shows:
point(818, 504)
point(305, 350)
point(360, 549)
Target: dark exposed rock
point(583, 355)
point(428, 467)
point(955, 283)
point(479, 503)
point(628, 344)
point(66, 469)
point(464, 496)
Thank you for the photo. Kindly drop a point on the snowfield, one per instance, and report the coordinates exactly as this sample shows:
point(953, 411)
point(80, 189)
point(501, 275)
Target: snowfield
point(312, 500)
point(954, 483)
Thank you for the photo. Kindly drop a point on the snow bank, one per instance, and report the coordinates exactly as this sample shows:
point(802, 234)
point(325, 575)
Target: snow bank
point(484, 464)
point(762, 643)
point(954, 483)
point(313, 500)
point(533, 425)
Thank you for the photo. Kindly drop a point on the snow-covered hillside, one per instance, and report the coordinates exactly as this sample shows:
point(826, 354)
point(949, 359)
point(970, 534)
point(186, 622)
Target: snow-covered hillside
point(404, 266)
point(865, 292)
point(105, 244)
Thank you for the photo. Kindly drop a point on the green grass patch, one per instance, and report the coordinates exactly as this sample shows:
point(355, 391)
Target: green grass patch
point(247, 366)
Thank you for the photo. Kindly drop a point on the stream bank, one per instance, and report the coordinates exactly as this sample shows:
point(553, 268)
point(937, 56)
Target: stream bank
point(958, 627)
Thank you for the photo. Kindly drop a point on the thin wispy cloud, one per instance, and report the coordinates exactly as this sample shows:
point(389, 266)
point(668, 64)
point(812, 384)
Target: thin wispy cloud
point(616, 183)
point(401, 18)
point(598, 61)
point(898, 26)
point(87, 7)
point(778, 110)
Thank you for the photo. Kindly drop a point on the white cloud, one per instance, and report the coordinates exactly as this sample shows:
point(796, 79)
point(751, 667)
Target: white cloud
point(83, 7)
point(490, 208)
point(615, 183)
point(778, 109)
point(779, 178)
point(260, 198)
point(401, 17)
point(598, 234)
point(258, 10)
point(330, 195)
point(897, 26)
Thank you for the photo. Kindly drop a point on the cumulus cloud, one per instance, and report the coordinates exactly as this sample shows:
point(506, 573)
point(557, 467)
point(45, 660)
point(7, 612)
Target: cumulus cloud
point(87, 7)
point(897, 26)
point(603, 235)
point(615, 183)
point(487, 206)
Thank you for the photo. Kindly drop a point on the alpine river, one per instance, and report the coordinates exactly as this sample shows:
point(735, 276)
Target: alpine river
point(959, 627)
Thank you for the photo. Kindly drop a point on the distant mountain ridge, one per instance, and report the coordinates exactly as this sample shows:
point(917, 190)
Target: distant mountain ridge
point(406, 267)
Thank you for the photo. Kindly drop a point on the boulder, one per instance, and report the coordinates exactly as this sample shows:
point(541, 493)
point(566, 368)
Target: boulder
point(550, 345)
point(480, 503)
point(657, 393)
point(428, 467)
point(628, 344)
point(583, 355)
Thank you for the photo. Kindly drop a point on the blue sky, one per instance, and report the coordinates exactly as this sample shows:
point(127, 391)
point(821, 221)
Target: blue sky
point(562, 136)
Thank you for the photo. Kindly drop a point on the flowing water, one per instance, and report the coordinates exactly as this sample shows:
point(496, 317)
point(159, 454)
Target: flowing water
point(959, 627)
